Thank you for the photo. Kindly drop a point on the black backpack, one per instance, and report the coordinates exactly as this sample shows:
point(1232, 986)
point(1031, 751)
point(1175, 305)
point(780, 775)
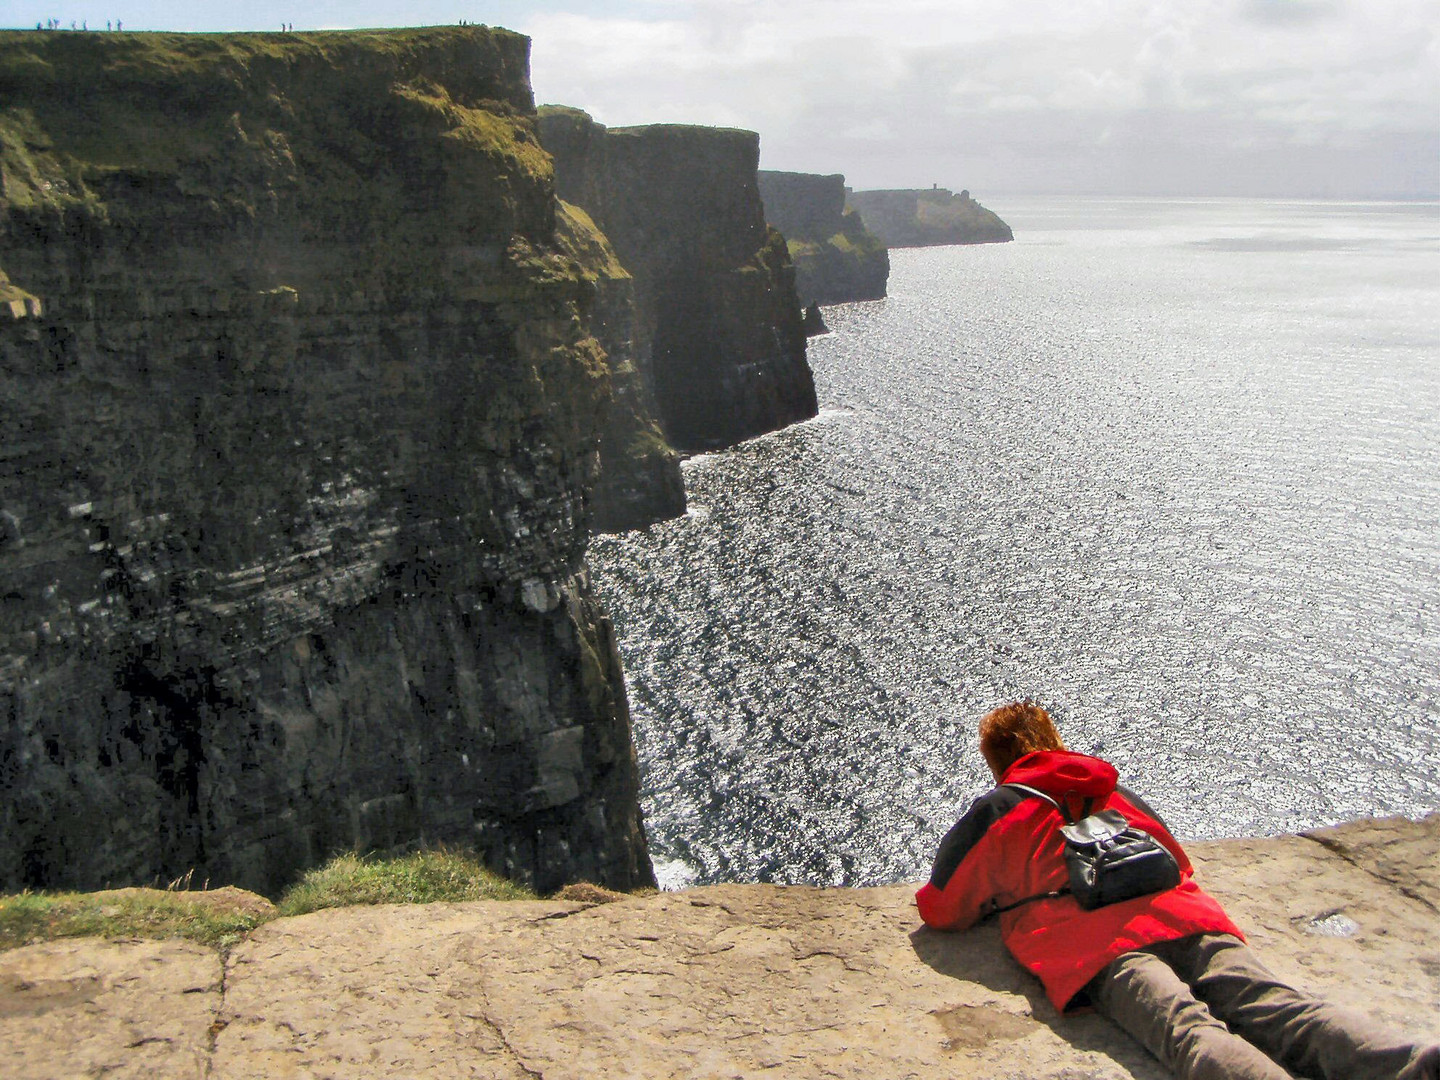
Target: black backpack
point(1107, 858)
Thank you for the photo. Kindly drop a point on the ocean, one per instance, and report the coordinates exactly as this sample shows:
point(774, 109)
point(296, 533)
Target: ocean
point(1170, 467)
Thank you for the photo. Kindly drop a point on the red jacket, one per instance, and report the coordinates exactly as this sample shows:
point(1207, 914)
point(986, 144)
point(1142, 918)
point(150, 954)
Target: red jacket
point(1008, 846)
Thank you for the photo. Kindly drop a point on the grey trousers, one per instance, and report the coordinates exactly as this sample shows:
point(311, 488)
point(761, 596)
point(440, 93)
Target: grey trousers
point(1208, 1009)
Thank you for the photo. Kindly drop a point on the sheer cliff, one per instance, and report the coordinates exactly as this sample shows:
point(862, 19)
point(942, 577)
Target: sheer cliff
point(837, 259)
point(722, 348)
point(300, 404)
point(639, 478)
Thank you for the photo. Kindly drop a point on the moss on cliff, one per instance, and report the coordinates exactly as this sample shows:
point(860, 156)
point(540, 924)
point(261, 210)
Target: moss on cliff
point(578, 237)
point(248, 126)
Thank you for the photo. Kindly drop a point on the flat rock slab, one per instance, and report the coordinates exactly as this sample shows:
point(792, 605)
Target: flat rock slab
point(85, 1007)
point(728, 981)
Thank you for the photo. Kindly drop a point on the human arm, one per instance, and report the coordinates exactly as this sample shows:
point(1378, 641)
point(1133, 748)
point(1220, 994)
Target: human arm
point(962, 882)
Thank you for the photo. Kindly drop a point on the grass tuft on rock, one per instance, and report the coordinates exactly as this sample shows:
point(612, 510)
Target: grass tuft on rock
point(28, 917)
point(223, 917)
point(422, 878)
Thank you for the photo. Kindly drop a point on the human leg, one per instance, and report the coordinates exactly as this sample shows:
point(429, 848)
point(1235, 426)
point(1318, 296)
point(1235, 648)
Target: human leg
point(1148, 1000)
point(1306, 1034)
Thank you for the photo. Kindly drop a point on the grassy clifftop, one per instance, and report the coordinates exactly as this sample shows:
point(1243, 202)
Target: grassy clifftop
point(304, 129)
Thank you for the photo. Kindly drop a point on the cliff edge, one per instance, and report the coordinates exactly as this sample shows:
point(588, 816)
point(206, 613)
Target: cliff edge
point(732, 980)
point(300, 404)
point(837, 259)
point(718, 323)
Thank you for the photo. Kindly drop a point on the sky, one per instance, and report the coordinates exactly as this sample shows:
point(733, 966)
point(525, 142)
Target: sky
point(1280, 98)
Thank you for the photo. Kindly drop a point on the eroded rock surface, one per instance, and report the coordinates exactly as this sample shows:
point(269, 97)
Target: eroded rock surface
point(726, 981)
point(133, 1009)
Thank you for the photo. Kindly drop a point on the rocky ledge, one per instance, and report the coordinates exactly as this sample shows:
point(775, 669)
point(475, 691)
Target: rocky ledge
point(726, 981)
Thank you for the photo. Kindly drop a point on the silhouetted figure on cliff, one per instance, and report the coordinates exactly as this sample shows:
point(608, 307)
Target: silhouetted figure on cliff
point(1164, 963)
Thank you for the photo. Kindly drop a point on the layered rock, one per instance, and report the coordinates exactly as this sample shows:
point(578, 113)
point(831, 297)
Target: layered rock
point(639, 478)
point(717, 314)
point(837, 259)
point(300, 415)
point(928, 217)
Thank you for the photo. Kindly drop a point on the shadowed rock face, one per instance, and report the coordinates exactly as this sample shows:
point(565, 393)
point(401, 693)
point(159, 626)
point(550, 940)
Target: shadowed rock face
point(714, 287)
point(639, 479)
point(927, 217)
point(300, 409)
point(836, 258)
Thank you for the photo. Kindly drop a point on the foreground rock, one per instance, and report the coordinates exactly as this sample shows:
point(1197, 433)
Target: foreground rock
point(729, 981)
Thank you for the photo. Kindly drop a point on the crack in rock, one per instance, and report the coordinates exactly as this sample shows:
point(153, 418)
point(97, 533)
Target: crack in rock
point(562, 914)
point(218, 1021)
point(494, 1025)
point(1340, 849)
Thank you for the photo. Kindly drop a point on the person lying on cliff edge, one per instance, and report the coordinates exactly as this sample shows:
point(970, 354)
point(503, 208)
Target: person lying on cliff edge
point(1167, 966)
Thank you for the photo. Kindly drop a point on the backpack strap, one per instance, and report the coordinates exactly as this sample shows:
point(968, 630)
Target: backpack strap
point(1059, 807)
point(996, 909)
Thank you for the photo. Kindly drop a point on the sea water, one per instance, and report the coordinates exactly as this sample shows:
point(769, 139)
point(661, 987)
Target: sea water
point(1170, 467)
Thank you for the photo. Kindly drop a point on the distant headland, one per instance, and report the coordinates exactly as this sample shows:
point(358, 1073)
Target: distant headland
point(928, 217)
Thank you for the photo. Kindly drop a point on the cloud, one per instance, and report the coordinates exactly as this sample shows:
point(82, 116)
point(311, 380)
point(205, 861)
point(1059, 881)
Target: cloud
point(1036, 94)
point(1288, 12)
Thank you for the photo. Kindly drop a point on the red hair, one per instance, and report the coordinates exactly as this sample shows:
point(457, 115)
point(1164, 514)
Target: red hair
point(1012, 731)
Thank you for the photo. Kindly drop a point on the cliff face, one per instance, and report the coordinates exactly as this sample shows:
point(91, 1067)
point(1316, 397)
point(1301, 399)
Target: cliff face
point(714, 287)
point(928, 217)
point(836, 258)
point(639, 478)
point(300, 407)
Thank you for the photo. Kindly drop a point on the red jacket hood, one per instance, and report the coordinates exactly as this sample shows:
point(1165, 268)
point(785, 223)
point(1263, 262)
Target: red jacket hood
point(1060, 772)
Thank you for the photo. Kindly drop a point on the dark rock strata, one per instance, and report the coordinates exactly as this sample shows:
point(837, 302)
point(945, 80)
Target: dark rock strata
point(639, 481)
point(928, 217)
point(714, 287)
point(300, 405)
point(836, 258)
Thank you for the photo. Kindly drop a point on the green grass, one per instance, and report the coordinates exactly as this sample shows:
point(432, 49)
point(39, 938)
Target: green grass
point(77, 108)
point(29, 917)
point(423, 878)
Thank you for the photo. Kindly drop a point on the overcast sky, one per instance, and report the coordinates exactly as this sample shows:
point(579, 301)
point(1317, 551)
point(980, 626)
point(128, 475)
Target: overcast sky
point(1330, 98)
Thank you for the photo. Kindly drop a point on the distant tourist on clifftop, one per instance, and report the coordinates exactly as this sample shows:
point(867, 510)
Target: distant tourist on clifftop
point(1161, 959)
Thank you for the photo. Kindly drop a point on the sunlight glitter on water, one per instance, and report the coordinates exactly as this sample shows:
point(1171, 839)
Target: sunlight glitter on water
point(1185, 493)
